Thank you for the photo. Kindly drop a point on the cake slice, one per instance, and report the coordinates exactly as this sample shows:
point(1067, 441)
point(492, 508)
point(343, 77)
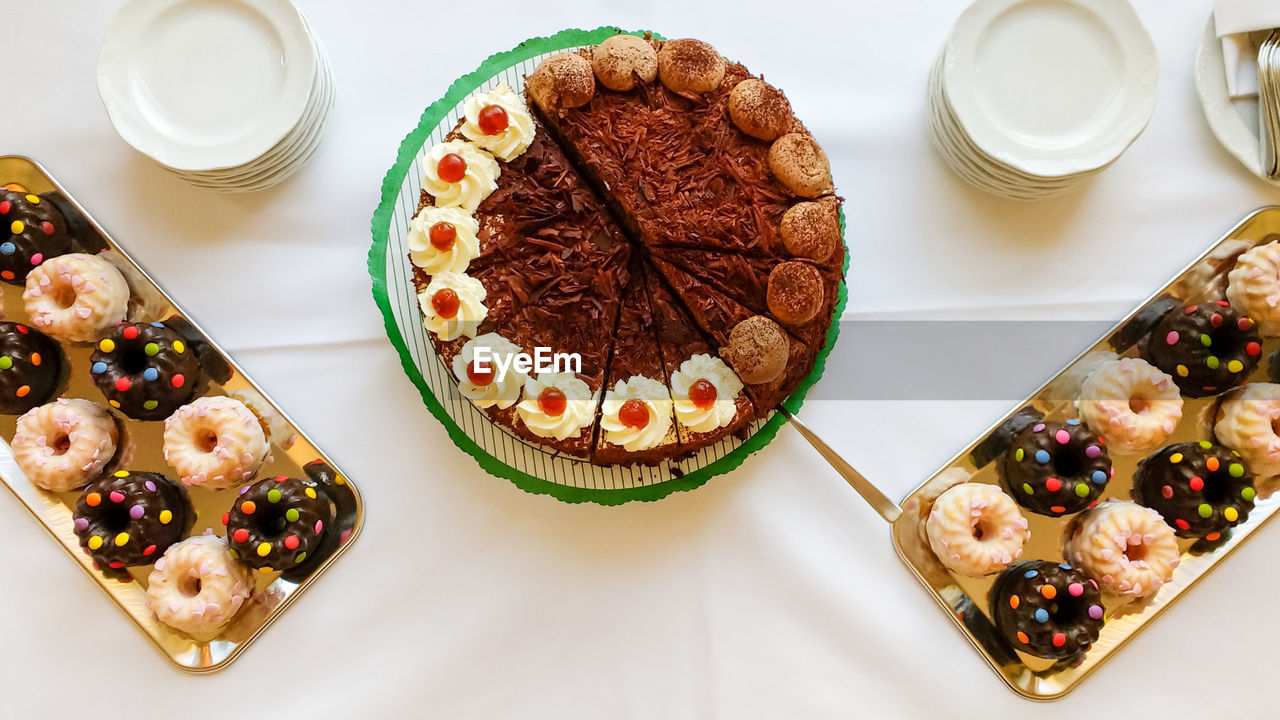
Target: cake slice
point(768, 360)
point(703, 416)
point(637, 420)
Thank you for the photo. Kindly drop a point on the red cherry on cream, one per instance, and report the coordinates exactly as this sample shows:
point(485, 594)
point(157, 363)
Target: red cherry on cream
point(493, 120)
point(634, 414)
point(446, 303)
point(552, 402)
point(702, 393)
point(451, 168)
point(442, 235)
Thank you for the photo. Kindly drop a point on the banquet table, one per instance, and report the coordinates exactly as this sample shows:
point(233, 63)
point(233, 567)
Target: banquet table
point(770, 592)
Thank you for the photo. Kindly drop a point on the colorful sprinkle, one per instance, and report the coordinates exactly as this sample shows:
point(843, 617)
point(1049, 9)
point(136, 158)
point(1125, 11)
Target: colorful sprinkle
point(1075, 589)
point(1053, 484)
point(107, 345)
point(1042, 615)
point(1092, 451)
point(1196, 483)
point(1042, 456)
point(1037, 428)
point(1213, 464)
point(95, 542)
point(165, 517)
point(6, 363)
point(1030, 574)
point(226, 518)
point(291, 542)
point(240, 535)
point(137, 511)
point(17, 226)
point(1182, 524)
point(1049, 592)
point(123, 384)
point(1231, 514)
point(1014, 601)
point(1253, 348)
point(33, 199)
point(248, 507)
point(1172, 337)
point(93, 499)
point(1099, 477)
point(7, 248)
point(36, 359)
point(1082, 490)
point(1095, 612)
point(151, 349)
point(121, 473)
point(23, 391)
point(1022, 638)
point(1057, 509)
point(1205, 340)
point(178, 380)
point(1205, 510)
point(273, 495)
point(150, 374)
point(1175, 458)
point(130, 333)
point(1182, 371)
point(309, 492)
point(116, 496)
point(1206, 445)
point(1235, 470)
point(1248, 494)
point(149, 550)
point(1063, 437)
point(291, 514)
point(114, 403)
point(1215, 320)
point(1213, 536)
point(122, 539)
point(263, 549)
point(319, 526)
point(1235, 366)
point(301, 556)
point(1059, 639)
point(150, 486)
point(1018, 454)
point(1026, 488)
point(81, 524)
point(150, 404)
point(235, 555)
point(178, 347)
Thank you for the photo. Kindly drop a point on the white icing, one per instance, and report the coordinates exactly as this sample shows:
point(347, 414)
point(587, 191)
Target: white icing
point(239, 443)
point(224, 585)
point(481, 176)
point(656, 398)
point(727, 385)
point(471, 308)
point(1247, 423)
point(957, 517)
point(519, 133)
point(90, 436)
point(465, 248)
point(75, 297)
point(580, 406)
point(1132, 404)
point(1127, 548)
point(504, 391)
point(1253, 286)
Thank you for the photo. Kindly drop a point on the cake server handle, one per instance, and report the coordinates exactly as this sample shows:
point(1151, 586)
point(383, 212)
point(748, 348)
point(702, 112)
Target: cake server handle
point(887, 508)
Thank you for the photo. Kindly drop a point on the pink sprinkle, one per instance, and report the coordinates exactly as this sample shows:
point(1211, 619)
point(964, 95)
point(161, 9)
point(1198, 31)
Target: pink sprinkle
point(1076, 589)
point(1063, 437)
point(1095, 612)
point(150, 486)
point(1172, 337)
point(1038, 427)
point(136, 512)
point(116, 497)
point(319, 526)
point(1093, 451)
point(37, 258)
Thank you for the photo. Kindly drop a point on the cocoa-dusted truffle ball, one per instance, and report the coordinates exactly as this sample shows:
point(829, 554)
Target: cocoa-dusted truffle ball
point(812, 230)
point(690, 66)
point(795, 292)
point(799, 163)
point(758, 350)
point(562, 81)
point(760, 109)
point(619, 60)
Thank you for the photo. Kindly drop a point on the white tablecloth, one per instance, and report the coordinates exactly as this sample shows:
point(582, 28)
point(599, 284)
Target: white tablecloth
point(772, 592)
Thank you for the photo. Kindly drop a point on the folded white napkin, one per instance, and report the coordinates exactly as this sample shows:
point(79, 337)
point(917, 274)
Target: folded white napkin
point(1236, 20)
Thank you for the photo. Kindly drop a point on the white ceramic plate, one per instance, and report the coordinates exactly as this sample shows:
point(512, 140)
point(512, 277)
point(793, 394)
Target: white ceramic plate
point(1052, 88)
point(1234, 123)
point(206, 84)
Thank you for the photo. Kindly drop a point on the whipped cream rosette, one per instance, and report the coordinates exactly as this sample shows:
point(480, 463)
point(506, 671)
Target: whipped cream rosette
point(557, 405)
point(482, 380)
point(697, 409)
point(443, 239)
point(636, 413)
point(498, 121)
point(453, 305)
point(459, 174)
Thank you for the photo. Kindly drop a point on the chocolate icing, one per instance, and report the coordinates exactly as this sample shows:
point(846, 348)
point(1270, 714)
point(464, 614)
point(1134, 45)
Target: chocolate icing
point(1048, 610)
point(1051, 477)
point(1207, 348)
point(134, 516)
point(146, 370)
point(1207, 491)
point(32, 230)
point(31, 367)
point(278, 523)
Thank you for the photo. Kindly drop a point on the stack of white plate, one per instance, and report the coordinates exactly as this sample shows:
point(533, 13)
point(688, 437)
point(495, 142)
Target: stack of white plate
point(231, 95)
point(1029, 97)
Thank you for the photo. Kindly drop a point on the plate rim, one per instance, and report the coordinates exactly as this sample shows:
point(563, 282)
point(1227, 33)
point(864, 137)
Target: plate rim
point(380, 225)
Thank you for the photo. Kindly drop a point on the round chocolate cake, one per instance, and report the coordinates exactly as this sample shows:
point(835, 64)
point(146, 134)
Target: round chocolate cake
point(278, 523)
point(146, 371)
point(31, 365)
point(1046, 609)
point(1206, 348)
point(1055, 468)
point(649, 208)
point(1201, 488)
point(32, 230)
point(131, 518)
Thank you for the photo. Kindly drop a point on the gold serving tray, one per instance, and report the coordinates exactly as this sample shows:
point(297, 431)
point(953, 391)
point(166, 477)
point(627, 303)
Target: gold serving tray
point(965, 600)
point(292, 453)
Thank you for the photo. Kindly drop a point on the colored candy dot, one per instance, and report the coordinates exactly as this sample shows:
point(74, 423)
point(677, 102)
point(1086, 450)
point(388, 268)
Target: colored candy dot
point(1075, 589)
point(178, 380)
point(36, 359)
point(1098, 476)
point(1213, 536)
point(98, 368)
point(301, 556)
point(702, 393)
point(1057, 509)
point(1248, 494)
point(1073, 422)
point(33, 199)
point(248, 507)
point(123, 384)
point(81, 524)
point(1182, 371)
point(291, 514)
point(1026, 488)
point(1253, 348)
point(150, 486)
point(291, 542)
point(1053, 484)
point(1182, 524)
point(235, 555)
point(451, 168)
point(149, 550)
point(150, 374)
point(1213, 464)
point(1231, 514)
point(1063, 437)
point(1092, 451)
point(1042, 615)
point(136, 512)
point(1205, 340)
point(1014, 601)
point(310, 492)
point(1196, 483)
point(151, 349)
point(1059, 639)
point(1049, 592)
point(1235, 366)
point(1212, 362)
point(273, 495)
point(226, 517)
point(1018, 455)
point(1022, 638)
point(1204, 510)
point(1082, 490)
point(263, 549)
point(150, 404)
point(1175, 458)
point(5, 205)
point(129, 332)
point(23, 391)
point(1244, 323)
point(1030, 574)
point(121, 473)
point(1038, 427)
point(6, 274)
point(1042, 456)
point(6, 363)
point(7, 248)
point(95, 542)
point(178, 347)
point(93, 499)
point(1215, 320)
point(240, 535)
point(107, 345)
point(1206, 445)
point(47, 228)
point(1095, 612)
point(319, 526)
point(1235, 470)
point(122, 539)
point(1172, 337)
point(17, 227)
point(165, 517)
